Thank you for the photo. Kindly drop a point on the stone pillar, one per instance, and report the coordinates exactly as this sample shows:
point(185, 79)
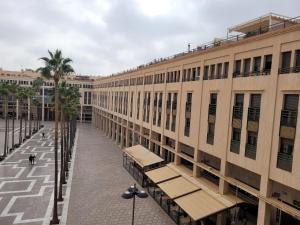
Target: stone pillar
point(264, 213)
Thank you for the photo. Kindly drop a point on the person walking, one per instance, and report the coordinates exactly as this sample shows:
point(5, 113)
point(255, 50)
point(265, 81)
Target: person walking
point(43, 135)
point(30, 159)
point(33, 159)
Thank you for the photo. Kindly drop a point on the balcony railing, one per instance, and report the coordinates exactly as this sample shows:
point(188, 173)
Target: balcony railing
point(253, 114)
point(168, 104)
point(210, 139)
point(250, 151)
point(188, 107)
point(212, 109)
point(295, 69)
point(284, 161)
point(187, 131)
point(235, 146)
point(160, 103)
point(237, 112)
point(174, 105)
point(288, 118)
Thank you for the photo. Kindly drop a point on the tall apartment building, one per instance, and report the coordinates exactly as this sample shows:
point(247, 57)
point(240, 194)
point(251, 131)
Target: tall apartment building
point(226, 112)
point(25, 78)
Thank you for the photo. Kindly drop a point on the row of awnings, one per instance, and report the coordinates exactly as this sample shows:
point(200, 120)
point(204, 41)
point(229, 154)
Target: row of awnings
point(142, 156)
point(188, 195)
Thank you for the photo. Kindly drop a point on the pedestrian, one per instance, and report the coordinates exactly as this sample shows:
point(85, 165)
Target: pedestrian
point(43, 135)
point(30, 159)
point(33, 159)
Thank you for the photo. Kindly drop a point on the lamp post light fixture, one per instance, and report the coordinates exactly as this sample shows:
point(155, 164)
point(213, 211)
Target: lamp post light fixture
point(131, 192)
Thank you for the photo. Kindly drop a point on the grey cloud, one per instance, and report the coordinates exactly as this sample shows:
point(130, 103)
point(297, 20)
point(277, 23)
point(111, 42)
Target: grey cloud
point(105, 36)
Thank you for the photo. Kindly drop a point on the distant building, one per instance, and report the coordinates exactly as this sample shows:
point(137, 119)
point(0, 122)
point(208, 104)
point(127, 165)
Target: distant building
point(25, 78)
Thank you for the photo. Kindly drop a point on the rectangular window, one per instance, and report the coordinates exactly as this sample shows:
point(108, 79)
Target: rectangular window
point(250, 151)
point(257, 64)
point(187, 127)
point(235, 140)
point(213, 104)
point(291, 102)
point(226, 67)
point(254, 108)
point(268, 64)
point(219, 71)
point(194, 74)
point(212, 72)
point(238, 106)
point(237, 68)
point(198, 73)
point(210, 133)
point(297, 61)
point(205, 76)
point(286, 59)
point(246, 69)
point(285, 62)
point(285, 154)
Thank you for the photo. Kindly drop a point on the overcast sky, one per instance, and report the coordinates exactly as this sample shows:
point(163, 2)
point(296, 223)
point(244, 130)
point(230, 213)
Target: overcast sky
point(106, 36)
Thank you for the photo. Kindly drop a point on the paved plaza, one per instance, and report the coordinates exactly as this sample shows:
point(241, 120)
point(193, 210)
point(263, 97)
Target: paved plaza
point(92, 195)
point(26, 190)
point(98, 182)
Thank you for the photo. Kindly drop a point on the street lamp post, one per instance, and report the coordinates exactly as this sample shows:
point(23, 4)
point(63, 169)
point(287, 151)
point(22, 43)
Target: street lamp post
point(131, 193)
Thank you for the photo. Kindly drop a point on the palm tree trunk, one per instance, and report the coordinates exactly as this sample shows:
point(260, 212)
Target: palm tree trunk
point(6, 127)
point(30, 126)
point(62, 177)
point(25, 129)
point(20, 133)
point(67, 146)
point(55, 219)
point(13, 129)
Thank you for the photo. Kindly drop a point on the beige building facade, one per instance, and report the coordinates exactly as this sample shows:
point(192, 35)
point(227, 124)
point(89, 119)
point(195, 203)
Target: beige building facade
point(25, 79)
point(225, 113)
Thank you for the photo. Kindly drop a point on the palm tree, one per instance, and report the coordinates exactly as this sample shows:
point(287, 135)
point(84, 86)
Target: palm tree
point(21, 96)
point(30, 94)
point(4, 91)
point(36, 85)
point(69, 103)
point(55, 67)
point(13, 88)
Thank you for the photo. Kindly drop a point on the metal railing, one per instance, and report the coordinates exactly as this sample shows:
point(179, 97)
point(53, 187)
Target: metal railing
point(188, 107)
point(238, 112)
point(250, 151)
point(174, 105)
point(288, 118)
point(219, 42)
point(284, 161)
point(212, 109)
point(252, 73)
point(295, 69)
point(210, 138)
point(253, 114)
point(187, 131)
point(235, 146)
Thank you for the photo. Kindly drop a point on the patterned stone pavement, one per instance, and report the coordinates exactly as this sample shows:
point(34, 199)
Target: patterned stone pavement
point(98, 182)
point(26, 190)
